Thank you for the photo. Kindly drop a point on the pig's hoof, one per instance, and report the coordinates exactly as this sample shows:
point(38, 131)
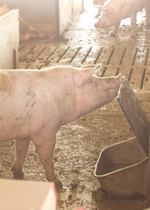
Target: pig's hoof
point(97, 16)
point(17, 174)
point(114, 35)
point(133, 36)
point(58, 185)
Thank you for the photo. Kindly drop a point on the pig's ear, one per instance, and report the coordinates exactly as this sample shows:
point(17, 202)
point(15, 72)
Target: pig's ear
point(88, 64)
point(79, 77)
point(110, 10)
point(100, 7)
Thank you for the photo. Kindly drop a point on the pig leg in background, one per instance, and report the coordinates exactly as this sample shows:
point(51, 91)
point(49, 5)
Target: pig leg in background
point(27, 32)
point(115, 29)
point(45, 148)
point(27, 36)
point(147, 10)
point(98, 14)
point(133, 25)
point(21, 151)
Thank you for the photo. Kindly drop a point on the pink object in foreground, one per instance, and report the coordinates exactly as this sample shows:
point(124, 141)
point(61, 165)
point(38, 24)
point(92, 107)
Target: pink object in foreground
point(27, 195)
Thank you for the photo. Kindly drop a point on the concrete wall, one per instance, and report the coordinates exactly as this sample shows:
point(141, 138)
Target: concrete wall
point(77, 7)
point(66, 11)
point(9, 40)
point(33, 10)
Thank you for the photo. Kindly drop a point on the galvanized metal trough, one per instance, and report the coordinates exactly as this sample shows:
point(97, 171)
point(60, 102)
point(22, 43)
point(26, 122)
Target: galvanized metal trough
point(123, 169)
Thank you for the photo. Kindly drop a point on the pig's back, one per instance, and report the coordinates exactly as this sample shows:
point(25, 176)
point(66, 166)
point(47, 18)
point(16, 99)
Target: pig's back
point(125, 8)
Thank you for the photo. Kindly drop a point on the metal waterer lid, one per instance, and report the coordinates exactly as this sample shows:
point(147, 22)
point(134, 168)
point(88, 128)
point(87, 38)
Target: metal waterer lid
point(134, 114)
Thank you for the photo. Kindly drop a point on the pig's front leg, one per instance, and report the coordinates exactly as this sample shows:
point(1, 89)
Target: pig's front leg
point(133, 25)
point(21, 151)
point(98, 14)
point(115, 29)
point(45, 148)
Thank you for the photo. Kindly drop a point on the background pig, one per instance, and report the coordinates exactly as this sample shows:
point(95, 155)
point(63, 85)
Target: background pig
point(116, 10)
point(26, 31)
point(34, 104)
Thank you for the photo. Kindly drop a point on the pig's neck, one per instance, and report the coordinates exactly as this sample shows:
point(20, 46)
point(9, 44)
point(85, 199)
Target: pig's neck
point(82, 104)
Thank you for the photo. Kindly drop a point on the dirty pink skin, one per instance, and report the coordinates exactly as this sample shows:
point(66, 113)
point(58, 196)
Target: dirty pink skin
point(116, 10)
point(26, 32)
point(36, 103)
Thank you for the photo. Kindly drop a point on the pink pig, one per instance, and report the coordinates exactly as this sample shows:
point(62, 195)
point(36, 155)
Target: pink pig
point(36, 103)
point(116, 10)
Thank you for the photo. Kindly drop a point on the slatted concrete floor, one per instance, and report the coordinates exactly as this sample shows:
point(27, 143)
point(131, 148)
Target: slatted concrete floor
point(132, 62)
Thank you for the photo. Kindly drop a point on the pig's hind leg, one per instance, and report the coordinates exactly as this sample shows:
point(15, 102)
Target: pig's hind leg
point(45, 148)
point(133, 25)
point(147, 10)
point(21, 151)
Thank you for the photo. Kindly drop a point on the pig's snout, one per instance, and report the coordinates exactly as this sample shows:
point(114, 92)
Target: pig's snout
point(113, 84)
point(118, 81)
point(99, 24)
point(120, 77)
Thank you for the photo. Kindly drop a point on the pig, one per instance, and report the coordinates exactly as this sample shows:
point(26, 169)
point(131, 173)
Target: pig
point(116, 10)
point(26, 31)
point(34, 104)
point(96, 3)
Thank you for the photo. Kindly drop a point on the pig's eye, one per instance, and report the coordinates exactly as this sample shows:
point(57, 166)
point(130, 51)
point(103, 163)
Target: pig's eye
point(91, 81)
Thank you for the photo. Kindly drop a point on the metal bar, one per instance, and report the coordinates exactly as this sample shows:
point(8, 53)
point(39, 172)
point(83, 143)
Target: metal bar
point(110, 56)
point(14, 59)
point(142, 82)
point(31, 50)
point(122, 56)
point(27, 66)
point(41, 52)
point(52, 53)
point(146, 57)
point(22, 47)
point(130, 74)
point(99, 54)
point(117, 71)
point(103, 71)
point(86, 55)
point(62, 54)
point(75, 54)
point(134, 56)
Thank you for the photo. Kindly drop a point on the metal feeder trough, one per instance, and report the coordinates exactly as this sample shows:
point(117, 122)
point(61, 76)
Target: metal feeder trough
point(123, 168)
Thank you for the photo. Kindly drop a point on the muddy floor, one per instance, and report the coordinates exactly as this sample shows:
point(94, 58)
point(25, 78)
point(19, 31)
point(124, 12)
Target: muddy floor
point(79, 143)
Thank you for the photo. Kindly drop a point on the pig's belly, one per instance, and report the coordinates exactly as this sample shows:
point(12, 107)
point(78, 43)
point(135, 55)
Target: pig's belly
point(10, 130)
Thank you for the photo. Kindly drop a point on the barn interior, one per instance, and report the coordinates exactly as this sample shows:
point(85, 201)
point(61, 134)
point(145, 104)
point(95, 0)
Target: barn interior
point(74, 42)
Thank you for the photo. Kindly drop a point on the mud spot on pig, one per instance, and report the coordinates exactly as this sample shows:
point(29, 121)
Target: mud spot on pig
point(6, 83)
